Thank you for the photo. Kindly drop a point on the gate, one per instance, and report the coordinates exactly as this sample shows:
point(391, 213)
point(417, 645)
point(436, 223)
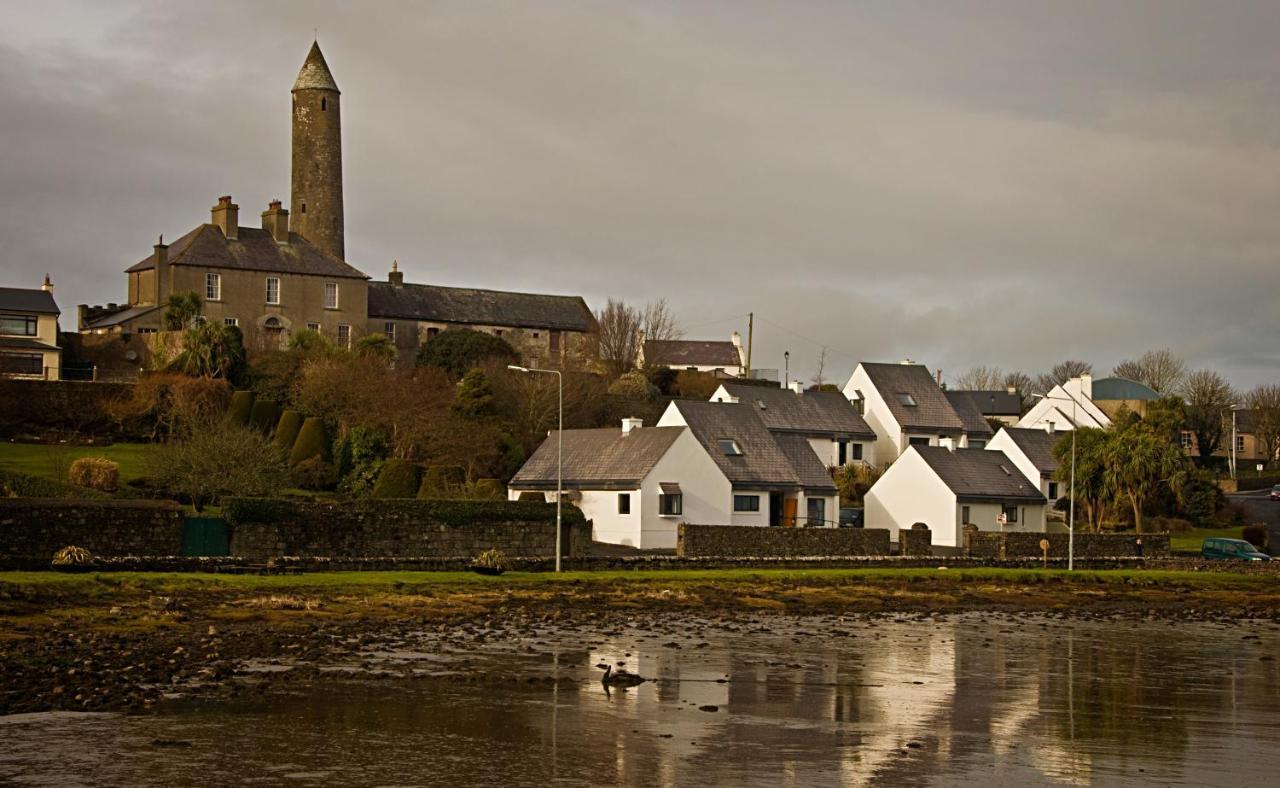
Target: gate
point(205, 536)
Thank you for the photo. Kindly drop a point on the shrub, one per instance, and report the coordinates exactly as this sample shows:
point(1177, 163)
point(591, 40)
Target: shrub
point(442, 481)
point(398, 479)
point(458, 350)
point(287, 429)
point(312, 442)
point(358, 456)
point(72, 556)
point(1200, 497)
point(241, 407)
point(209, 464)
point(489, 490)
point(491, 562)
point(1173, 525)
point(264, 416)
point(314, 474)
point(633, 386)
point(97, 473)
point(1256, 535)
point(376, 345)
point(691, 384)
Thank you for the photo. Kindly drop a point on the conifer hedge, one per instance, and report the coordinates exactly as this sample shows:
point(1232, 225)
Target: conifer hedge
point(264, 416)
point(312, 442)
point(287, 430)
point(241, 407)
point(398, 479)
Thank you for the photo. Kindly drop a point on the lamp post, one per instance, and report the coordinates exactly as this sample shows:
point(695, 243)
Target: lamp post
point(559, 444)
point(1071, 504)
point(1234, 408)
point(786, 361)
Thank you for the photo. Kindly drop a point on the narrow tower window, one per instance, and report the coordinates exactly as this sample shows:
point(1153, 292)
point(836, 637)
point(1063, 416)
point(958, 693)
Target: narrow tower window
point(324, 104)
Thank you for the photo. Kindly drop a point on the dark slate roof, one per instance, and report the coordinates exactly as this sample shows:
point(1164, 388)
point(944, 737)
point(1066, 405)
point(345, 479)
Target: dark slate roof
point(315, 72)
point(974, 422)
point(691, 352)
point(812, 473)
point(121, 316)
point(254, 250)
point(762, 465)
point(932, 411)
point(1121, 388)
point(22, 299)
point(979, 475)
point(25, 343)
point(470, 306)
point(991, 403)
point(816, 413)
point(600, 459)
point(1037, 445)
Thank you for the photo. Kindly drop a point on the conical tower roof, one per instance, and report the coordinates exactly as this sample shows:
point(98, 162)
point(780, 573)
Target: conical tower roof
point(315, 72)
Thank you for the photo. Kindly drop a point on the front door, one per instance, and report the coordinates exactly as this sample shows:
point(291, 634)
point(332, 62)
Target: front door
point(775, 509)
point(789, 513)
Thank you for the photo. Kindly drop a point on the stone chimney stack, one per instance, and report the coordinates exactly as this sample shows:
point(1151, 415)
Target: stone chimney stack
point(275, 220)
point(48, 284)
point(161, 252)
point(396, 277)
point(226, 215)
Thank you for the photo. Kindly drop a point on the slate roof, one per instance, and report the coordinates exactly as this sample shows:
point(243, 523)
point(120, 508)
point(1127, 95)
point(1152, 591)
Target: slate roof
point(932, 410)
point(812, 474)
point(974, 422)
point(120, 316)
point(1038, 446)
point(991, 403)
point(816, 413)
point(599, 459)
point(254, 250)
point(1120, 389)
point(479, 307)
point(762, 465)
point(32, 300)
point(691, 353)
point(979, 475)
point(315, 72)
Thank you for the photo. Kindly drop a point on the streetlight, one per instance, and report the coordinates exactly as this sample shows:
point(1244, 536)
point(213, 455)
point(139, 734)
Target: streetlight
point(1234, 408)
point(559, 445)
point(1071, 517)
point(786, 360)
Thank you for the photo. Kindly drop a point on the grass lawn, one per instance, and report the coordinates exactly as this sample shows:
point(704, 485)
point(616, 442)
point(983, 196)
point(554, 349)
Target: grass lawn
point(43, 460)
point(1191, 543)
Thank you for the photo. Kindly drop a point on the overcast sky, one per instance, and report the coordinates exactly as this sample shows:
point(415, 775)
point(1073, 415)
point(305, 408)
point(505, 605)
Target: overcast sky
point(1002, 183)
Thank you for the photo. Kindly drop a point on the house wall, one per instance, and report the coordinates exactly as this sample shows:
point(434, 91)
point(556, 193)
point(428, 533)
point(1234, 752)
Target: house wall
point(760, 518)
point(708, 496)
point(910, 492)
point(984, 515)
point(889, 439)
point(1250, 452)
point(1003, 442)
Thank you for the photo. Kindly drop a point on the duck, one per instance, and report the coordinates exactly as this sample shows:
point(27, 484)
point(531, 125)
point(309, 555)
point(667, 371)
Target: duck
point(620, 679)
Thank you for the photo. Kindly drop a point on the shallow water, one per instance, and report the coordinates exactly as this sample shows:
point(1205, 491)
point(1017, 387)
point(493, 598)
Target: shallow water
point(770, 701)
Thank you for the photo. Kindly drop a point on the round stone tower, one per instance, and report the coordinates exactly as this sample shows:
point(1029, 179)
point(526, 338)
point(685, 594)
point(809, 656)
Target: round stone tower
point(316, 205)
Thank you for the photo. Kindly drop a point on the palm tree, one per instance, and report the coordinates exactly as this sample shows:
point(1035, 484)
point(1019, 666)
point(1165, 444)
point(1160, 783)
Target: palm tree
point(1136, 461)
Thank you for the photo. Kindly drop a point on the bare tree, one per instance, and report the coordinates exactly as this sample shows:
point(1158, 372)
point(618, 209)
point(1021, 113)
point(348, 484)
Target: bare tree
point(981, 378)
point(624, 329)
point(1022, 383)
point(819, 375)
point(1071, 368)
point(1209, 398)
point(1264, 401)
point(1159, 369)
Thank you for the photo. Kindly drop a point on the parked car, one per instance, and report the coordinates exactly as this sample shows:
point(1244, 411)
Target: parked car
point(1231, 550)
point(850, 517)
point(1275, 493)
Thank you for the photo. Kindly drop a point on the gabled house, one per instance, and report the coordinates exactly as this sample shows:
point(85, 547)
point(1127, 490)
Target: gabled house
point(976, 429)
point(776, 480)
point(29, 333)
point(947, 489)
point(1031, 451)
point(1085, 402)
point(716, 357)
point(828, 421)
point(904, 406)
point(1004, 406)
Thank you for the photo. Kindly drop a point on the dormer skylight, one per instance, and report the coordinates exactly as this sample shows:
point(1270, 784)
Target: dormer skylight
point(730, 447)
point(906, 399)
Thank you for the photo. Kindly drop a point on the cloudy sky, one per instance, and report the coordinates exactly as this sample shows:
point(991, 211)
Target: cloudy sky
point(1001, 183)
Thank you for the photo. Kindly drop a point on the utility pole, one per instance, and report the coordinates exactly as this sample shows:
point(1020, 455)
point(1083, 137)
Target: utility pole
point(751, 332)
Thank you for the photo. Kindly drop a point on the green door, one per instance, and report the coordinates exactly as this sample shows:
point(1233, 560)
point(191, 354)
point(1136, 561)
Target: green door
point(205, 536)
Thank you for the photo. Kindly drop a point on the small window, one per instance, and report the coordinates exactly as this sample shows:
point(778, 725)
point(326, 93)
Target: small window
point(431, 332)
point(842, 452)
point(1010, 514)
point(730, 447)
point(389, 329)
point(230, 321)
point(273, 290)
point(906, 399)
point(1053, 490)
point(975, 443)
point(212, 287)
point(555, 341)
point(964, 515)
point(19, 325)
point(498, 332)
point(855, 451)
point(304, 208)
point(324, 104)
point(1239, 443)
point(671, 504)
point(272, 324)
point(330, 295)
point(859, 402)
point(535, 335)
point(344, 335)
point(817, 511)
point(624, 503)
point(746, 503)
point(21, 364)
point(917, 441)
point(1185, 440)
point(313, 326)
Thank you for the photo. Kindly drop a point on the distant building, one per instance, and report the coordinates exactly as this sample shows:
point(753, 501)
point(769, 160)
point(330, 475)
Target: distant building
point(716, 357)
point(1085, 402)
point(29, 333)
point(1248, 448)
point(1002, 406)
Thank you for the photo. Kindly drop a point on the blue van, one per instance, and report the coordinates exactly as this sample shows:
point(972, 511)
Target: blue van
point(1231, 550)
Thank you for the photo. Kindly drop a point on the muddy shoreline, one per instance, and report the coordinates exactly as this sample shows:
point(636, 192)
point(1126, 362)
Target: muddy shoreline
point(134, 647)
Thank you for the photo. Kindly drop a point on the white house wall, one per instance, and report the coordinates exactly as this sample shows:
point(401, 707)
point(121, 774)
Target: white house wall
point(986, 517)
point(876, 412)
point(910, 492)
point(707, 494)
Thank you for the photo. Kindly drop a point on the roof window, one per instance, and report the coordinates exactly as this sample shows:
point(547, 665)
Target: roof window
point(730, 447)
point(906, 399)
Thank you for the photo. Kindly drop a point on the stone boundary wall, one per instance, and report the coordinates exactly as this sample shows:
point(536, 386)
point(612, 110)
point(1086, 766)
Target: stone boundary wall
point(915, 542)
point(262, 529)
point(749, 541)
point(986, 544)
point(36, 528)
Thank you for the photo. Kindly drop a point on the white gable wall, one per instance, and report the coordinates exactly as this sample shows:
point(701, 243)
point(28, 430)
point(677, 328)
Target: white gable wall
point(889, 440)
point(910, 492)
point(707, 494)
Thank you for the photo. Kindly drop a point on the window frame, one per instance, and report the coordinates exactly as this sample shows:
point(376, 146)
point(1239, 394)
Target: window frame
point(907, 400)
point(733, 449)
point(821, 504)
point(35, 359)
point(744, 503)
point(231, 321)
point(624, 503)
point(1053, 490)
point(965, 515)
point(212, 284)
point(855, 451)
point(267, 294)
point(30, 323)
point(1010, 512)
point(389, 328)
point(339, 332)
point(336, 301)
point(313, 327)
point(670, 504)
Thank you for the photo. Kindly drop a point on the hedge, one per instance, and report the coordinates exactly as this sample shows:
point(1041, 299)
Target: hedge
point(455, 513)
point(398, 479)
point(490, 490)
point(23, 485)
point(241, 407)
point(264, 416)
point(257, 510)
point(442, 481)
point(287, 430)
point(311, 442)
point(1256, 482)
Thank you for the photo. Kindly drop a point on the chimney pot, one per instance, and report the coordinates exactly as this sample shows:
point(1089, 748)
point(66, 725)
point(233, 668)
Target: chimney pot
point(226, 215)
point(275, 220)
point(48, 284)
point(396, 277)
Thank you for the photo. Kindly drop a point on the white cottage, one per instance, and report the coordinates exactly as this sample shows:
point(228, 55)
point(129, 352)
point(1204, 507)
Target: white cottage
point(828, 421)
point(904, 406)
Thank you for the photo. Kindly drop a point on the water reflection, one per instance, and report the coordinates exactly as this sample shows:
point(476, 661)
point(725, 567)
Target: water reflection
point(777, 702)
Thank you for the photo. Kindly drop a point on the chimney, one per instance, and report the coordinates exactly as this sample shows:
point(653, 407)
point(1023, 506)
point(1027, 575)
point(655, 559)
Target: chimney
point(629, 424)
point(1048, 427)
point(396, 277)
point(48, 284)
point(736, 339)
point(947, 443)
point(1011, 389)
point(1086, 385)
point(939, 376)
point(275, 220)
point(162, 271)
point(796, 386)
point(226, 215)
point(82, 316)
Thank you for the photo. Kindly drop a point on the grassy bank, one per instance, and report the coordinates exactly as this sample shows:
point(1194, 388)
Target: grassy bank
point(1190, 543)
point(46, 461)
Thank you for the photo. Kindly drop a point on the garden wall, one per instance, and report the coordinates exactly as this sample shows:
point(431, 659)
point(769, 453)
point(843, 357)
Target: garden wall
point(399, 528)
point(985, 544)
point(915, 542)
point(39, 527)
point(725, 541)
